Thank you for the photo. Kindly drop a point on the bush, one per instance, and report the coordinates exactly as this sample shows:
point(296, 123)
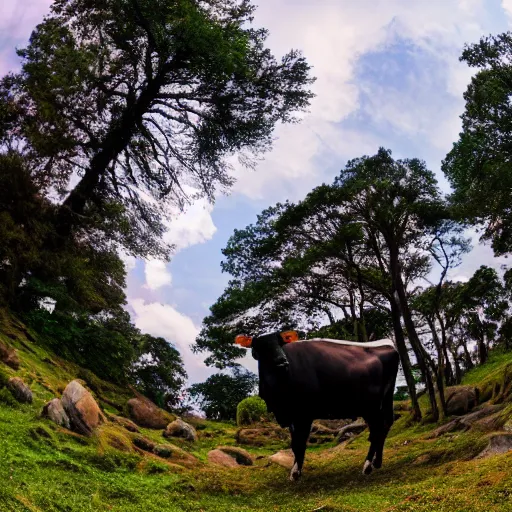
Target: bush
point(250, 410)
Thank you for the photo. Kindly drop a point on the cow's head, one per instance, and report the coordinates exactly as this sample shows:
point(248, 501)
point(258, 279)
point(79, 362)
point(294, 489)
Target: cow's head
point(268, 349)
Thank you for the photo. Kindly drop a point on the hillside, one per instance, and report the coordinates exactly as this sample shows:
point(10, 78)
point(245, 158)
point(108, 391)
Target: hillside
point(48, 468)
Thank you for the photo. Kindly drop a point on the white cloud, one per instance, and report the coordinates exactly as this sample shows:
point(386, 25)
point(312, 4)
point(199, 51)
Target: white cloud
point(165, 321)
point(193, 226)
point(17, 20)
point(507, 7)
point(157, 274)
point(334, 34)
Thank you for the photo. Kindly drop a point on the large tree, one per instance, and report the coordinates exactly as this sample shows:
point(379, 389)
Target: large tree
point(479, 166)
point(135, 103)
point(366, 237)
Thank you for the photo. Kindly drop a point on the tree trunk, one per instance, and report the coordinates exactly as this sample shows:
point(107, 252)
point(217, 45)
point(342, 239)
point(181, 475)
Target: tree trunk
point(114, 143)
point(440, 370)
point(467, 356)
point(419, 351)
point(404, 358)
point(448, 371)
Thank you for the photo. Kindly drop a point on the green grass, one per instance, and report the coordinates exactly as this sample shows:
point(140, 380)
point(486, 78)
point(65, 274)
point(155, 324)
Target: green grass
point(44, 468)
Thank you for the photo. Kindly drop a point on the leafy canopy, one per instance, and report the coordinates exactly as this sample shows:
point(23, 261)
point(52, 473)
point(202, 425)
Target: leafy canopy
point(479, 164)
point(145, 101)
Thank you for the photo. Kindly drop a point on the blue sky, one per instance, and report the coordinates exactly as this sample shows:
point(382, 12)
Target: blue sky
point(388, 75)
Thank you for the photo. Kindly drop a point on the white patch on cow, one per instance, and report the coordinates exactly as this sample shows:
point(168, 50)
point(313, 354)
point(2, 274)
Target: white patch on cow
point(379, 343)
point(295, 473)
point(367, 468)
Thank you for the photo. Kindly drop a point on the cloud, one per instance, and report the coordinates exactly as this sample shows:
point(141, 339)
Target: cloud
point(334, 35)
point(165, 321)
point(17, 20)
point(157, 274)
point(507, 7)
point(193, 226)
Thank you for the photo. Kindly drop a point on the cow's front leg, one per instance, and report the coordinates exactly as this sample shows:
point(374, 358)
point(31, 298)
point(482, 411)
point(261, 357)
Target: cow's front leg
point(299, 431)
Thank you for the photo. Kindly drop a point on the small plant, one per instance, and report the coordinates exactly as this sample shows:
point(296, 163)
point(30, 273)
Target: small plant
point(250, 410)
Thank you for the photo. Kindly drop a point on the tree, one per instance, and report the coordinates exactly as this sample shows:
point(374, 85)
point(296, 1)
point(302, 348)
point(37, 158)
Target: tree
point(158, 372)
point(221, 393)
point(143, 101)
point(479, 165)
point(357, 243)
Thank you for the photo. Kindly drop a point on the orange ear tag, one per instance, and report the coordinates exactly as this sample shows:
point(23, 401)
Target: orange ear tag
point(290, 336)
point(244, 341)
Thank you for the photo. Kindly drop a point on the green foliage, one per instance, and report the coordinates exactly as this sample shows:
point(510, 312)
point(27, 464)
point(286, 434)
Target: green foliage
point(159, 372)
point(7, 398)
point(4, 378)
point(146, 105)
point(339, 254)
point(95, 343)
point(478, 166)
point(250, 410)
point(221, 393)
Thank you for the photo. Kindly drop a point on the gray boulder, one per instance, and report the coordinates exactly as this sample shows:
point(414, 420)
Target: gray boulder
point(54, 411)
point(83, 411)
point(461, 400)
point(20, 390)
point(179, 428)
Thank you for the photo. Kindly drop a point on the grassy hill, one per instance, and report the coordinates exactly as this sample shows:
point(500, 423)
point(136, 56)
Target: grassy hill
point(46, 468)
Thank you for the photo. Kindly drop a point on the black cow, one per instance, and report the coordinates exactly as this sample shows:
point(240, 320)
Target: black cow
point(320, 378)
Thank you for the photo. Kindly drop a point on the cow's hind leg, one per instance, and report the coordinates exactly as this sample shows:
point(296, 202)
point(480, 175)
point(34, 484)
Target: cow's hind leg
point(375, 425)
point(299, 431)
point(387, 422)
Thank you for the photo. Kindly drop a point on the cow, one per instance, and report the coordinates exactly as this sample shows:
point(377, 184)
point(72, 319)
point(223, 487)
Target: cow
point(322, 378)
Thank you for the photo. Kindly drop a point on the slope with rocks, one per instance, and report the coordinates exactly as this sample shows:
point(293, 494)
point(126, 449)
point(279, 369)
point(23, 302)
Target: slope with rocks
point(119, 464)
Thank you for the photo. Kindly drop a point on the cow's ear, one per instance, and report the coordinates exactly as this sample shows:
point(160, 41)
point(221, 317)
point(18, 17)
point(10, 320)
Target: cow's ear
point(290, 336)
point(243, 340)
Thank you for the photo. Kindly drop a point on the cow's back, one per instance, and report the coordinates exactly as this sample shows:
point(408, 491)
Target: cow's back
point(339, 380)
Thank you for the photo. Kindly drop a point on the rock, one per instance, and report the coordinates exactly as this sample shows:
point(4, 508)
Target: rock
point(321, 430)
point(54, 410)
point(284, 458)
point(220, 458)
point(461, 399)
point(242, 457)
point(351, 430)
point(124, 422)
point(83, 411)
point(146, 414)
point(144, 444)
point(20, 390)
point(169, 451)
point(261, 436)
point(499, 443)
point(467, 421)
point(9, 356)
point(178, 428)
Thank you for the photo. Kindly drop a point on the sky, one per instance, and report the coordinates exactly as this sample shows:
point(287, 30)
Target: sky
point(388, 74)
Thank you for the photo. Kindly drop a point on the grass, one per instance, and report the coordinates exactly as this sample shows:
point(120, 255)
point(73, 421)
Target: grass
point(44, 468)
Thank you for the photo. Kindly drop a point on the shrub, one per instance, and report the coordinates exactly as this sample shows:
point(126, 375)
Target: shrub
point(250, 410)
